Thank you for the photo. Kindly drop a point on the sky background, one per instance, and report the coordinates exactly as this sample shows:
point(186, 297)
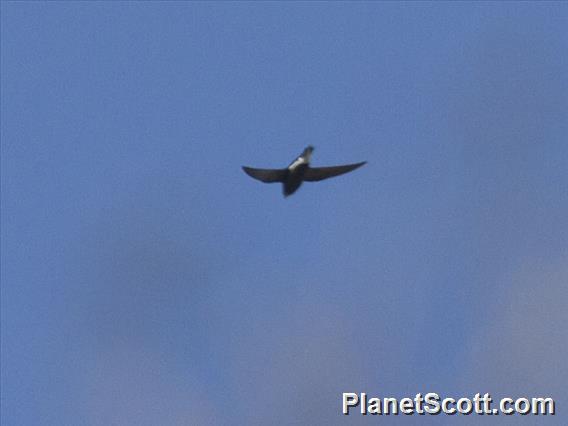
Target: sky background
point(147, 280)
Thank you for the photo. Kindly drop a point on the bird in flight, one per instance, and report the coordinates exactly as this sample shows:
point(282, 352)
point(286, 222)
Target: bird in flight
point(299, 171)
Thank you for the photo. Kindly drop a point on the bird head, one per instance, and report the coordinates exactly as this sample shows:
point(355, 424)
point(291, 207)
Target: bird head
point(308, 152)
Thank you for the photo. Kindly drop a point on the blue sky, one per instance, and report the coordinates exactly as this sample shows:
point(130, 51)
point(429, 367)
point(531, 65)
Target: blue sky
point(147, 280)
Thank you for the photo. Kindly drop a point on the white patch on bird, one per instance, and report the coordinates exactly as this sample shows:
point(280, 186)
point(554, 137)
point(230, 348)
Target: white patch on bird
point(296, 163)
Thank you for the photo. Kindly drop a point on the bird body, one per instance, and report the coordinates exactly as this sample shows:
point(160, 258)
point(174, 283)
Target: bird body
point(299, 171)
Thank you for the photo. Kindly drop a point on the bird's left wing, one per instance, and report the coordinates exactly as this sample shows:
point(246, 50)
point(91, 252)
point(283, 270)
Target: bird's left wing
point(266, 175)
point(313, 174)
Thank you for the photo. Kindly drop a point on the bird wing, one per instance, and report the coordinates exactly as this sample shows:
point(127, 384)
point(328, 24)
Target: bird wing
point(313, 174)
point(266, 175)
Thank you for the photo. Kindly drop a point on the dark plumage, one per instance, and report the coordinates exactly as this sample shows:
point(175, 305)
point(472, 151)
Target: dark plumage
point(299, 171)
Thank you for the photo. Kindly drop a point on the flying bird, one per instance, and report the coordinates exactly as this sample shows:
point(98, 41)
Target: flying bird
point(299, 171)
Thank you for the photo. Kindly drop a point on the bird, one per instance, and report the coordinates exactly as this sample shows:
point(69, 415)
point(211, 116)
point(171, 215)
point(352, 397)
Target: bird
point(299, 171)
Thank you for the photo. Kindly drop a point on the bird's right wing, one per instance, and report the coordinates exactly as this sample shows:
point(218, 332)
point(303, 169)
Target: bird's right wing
point(314, 174)
point(266, 175)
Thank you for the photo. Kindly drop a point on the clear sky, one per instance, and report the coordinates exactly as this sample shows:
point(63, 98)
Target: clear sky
point(147, 280)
